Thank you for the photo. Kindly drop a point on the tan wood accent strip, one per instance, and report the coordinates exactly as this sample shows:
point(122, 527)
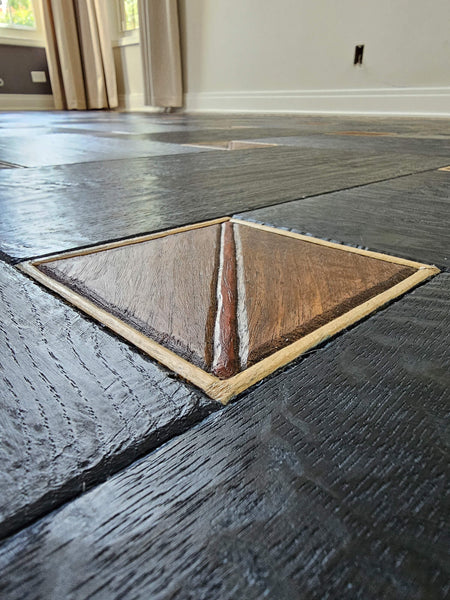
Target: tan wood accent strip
point(128, 242)
point(224, 391)
point(312, 240)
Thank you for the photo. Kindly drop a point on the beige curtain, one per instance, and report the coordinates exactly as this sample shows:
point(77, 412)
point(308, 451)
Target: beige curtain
point(79, 52)
point(161, 53)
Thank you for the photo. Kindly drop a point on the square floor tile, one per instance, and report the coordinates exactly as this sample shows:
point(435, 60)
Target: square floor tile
point(226, 302)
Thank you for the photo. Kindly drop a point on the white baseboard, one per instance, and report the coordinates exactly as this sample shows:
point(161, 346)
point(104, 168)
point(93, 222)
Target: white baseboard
point(26, 102)
point(432, 101)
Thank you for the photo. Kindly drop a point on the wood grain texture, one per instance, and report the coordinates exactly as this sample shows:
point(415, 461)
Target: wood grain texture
point(220, 136)
point(76, 403)
point(406, 217)
point(263, 289)
point(327, 481)
point(161, 287)
point(293, 287)
point(51, 209)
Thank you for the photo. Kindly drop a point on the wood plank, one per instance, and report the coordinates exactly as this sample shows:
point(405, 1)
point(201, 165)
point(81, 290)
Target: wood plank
point(52, 209)
point(327, 480)
point(437, 144)
point(406, 217)
point(77, 404)
point(64, 147)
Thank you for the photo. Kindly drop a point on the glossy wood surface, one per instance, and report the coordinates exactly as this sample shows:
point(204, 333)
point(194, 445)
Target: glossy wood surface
point(165, 287)
point(293, 287)
point(325, 480)
point(133, 175)
point(76, 403)
point(225, 296)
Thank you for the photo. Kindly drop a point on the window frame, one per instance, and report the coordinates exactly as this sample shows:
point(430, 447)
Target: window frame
point(121, 37)
point(122, 18)
point(21, 35)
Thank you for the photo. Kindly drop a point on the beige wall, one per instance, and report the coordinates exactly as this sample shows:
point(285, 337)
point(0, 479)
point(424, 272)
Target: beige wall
point(298, 55)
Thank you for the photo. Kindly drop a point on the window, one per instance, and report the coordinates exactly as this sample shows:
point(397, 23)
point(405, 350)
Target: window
point(17, 14)
point(129, 18)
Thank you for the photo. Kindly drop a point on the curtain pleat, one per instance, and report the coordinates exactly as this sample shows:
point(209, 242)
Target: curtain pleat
point(161, 52)
point(80, 56)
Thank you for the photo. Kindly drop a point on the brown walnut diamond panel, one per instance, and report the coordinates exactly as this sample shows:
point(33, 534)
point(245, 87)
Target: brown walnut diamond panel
point(226, 302)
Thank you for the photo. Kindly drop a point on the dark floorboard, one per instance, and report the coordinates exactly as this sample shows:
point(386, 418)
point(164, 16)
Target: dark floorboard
point(45, 149)
point(57, 208)
point(326, 481)
point(213, 134)
point(437, 146)
point(407, 217)
point(76, 403)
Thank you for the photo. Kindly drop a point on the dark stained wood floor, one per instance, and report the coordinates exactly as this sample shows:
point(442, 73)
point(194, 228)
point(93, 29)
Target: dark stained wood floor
point(326, 480)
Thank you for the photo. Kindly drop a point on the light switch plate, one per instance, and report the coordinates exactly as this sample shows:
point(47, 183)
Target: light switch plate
point(38, 77)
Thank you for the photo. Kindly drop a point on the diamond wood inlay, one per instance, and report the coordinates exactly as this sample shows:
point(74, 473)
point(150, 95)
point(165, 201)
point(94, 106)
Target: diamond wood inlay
point(226, 302)
point(231, 145)
point(363, 133)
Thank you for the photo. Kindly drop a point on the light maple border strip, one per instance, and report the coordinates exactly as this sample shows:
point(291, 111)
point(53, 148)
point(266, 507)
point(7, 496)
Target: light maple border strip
point(225, 390)
point(127, 242)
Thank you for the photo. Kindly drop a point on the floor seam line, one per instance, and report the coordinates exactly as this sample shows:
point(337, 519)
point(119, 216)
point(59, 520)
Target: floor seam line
point(352, 187)
point(67, 498)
